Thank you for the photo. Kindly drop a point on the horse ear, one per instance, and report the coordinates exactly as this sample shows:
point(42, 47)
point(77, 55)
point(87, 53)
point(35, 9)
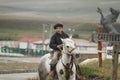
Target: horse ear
point(62, 40)
point(70, 37)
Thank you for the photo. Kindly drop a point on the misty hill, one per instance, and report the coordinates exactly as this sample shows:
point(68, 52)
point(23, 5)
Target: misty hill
point(14, 29)
point(70, 9)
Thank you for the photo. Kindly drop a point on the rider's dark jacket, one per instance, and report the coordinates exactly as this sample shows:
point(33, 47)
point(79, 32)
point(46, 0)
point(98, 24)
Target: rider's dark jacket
point(56, 40)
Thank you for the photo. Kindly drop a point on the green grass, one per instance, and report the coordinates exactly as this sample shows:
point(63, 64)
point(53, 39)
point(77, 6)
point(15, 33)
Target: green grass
point(92, 70)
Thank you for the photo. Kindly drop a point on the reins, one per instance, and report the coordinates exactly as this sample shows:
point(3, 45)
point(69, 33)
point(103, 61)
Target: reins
point(68, 68)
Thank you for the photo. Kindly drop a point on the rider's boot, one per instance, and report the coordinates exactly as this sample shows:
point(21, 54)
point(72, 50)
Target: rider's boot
point(52, 68)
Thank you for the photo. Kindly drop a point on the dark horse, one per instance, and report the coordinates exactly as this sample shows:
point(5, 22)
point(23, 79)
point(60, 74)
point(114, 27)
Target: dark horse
point(109, 20)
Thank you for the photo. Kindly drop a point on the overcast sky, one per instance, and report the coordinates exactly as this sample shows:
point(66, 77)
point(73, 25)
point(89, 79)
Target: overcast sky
point(82, 9)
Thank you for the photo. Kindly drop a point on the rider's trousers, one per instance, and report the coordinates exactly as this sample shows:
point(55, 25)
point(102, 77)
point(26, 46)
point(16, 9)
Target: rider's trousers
point(55, 57)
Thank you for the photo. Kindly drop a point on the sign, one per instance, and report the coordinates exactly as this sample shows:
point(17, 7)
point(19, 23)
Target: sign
point(108, 37)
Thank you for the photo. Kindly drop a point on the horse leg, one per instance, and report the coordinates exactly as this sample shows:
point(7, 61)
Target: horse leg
point(42, 75)
point(42, 71)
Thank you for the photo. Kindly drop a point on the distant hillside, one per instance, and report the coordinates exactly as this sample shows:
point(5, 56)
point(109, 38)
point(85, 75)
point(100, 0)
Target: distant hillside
point(15, 29)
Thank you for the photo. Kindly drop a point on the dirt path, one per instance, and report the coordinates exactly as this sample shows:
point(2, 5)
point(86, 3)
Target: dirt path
point(20, 59)
point(18, 76)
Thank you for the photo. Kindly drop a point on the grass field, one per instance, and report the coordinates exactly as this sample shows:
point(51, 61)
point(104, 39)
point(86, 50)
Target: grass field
point(92, 70)
point(15, 29)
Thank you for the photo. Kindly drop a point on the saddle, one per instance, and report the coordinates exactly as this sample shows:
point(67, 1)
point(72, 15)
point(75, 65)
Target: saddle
point(58, 55)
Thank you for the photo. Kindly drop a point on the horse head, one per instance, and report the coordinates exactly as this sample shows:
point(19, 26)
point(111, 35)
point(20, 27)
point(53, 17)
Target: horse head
point(68, 46)
point(114, 11)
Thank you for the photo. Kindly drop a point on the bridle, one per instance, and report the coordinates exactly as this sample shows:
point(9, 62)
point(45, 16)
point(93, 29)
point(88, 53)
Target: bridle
point(68, 52)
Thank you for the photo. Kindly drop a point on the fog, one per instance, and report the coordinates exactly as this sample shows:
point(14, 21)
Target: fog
point(70, 9)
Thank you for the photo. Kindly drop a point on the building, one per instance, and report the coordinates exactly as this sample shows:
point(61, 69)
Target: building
point(34, 46)
point(87, 48)
point(28, 43)
point(44, 45)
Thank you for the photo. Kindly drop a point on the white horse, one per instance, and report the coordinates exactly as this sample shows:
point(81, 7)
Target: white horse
point(65, 68)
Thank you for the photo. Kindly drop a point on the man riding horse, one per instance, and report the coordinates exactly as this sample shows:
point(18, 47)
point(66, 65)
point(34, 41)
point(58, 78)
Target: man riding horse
point(56, 45)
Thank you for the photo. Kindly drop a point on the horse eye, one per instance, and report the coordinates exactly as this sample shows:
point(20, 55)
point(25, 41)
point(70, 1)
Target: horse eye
point(67, 46)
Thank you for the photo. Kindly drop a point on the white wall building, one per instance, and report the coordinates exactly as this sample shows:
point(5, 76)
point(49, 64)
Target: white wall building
point(44, 45)
point(86, 47)
point(28, 43)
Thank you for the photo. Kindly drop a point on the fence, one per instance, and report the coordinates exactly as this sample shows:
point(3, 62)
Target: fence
point(31, 52)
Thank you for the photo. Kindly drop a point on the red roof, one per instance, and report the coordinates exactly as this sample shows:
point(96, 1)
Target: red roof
point(30, 39)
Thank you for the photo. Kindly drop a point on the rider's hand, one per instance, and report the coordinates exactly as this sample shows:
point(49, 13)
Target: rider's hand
point(59, 46)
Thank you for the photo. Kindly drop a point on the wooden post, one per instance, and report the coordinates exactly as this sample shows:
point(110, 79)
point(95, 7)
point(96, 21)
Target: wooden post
point(115, 61)
point(100, 30)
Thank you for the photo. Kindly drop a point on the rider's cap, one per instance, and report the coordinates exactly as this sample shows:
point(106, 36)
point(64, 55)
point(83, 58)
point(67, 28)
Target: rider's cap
point(58, 25)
